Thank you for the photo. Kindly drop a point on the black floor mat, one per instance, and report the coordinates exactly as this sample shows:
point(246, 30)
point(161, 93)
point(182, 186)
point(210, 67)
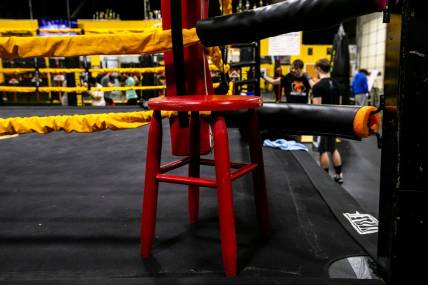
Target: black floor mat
point(70, 207)
point(338, 200)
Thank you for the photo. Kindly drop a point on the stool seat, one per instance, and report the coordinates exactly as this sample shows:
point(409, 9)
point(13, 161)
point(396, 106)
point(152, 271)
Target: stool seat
point(205, 103)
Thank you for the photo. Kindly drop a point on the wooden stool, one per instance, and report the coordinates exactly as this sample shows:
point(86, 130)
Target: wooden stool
point(156, 173)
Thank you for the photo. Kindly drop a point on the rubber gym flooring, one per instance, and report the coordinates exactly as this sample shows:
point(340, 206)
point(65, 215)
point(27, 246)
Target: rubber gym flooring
point(70, 207)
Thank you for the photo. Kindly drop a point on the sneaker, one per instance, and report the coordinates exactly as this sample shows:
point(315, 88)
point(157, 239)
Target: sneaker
point(338, 178)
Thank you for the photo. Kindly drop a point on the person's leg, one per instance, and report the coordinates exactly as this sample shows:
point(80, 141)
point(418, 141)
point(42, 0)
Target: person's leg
point(357, 99)
point(337, 163)
point(324, 161)
point(337, 159)
point(361, 99)
point(323, 151)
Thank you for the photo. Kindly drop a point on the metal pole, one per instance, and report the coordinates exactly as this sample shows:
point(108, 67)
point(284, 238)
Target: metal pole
point(146, 12)
point(30, 7)
point(68, 10)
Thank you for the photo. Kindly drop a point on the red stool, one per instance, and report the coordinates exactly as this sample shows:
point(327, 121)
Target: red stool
point(156, 173)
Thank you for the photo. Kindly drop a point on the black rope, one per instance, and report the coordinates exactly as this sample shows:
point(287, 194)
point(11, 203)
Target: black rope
point(177, 46)
point(178, 54)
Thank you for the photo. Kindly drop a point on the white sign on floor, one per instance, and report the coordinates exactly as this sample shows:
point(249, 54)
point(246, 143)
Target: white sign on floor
point(363, 223)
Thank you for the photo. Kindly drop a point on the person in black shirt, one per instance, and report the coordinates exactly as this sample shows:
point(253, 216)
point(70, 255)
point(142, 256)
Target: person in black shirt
point(295, 83)
point(326, 91)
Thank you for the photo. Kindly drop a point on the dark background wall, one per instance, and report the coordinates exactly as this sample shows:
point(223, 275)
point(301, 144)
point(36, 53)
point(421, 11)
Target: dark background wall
point(131, 10)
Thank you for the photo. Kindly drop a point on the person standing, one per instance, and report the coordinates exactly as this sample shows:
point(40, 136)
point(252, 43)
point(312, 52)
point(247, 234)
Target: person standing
point(97, 96)
point(295, 83)
point(360, 87)
point(277, 89)
point(131, 95)
point(107, 81)
point(326, 91)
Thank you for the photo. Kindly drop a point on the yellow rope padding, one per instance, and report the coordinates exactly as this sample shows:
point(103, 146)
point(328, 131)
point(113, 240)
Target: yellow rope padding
point(61, 31)
point(81, 89)
point(215, 54)
point(226, 6)
point(79, 123)
point(125, 88)
point(74, 70)
point(61, 70)
point(76, 123)
point(130, 70)
point(17, 31)
point(93, 70)
point(121, 31)
point(45, 89)
point(16, 70)
point(18, 26)
point(67, 46)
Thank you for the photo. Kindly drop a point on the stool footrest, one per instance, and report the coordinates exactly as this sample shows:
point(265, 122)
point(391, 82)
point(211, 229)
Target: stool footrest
point(175, 164)
point(177, 179)
point(243, 170)
point(211, 162)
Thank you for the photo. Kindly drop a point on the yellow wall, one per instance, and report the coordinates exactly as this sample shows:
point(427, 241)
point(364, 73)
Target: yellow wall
point(318, 52)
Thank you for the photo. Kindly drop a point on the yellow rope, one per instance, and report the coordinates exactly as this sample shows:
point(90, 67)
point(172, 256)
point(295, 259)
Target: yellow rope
point(95, 70)
point(125, 88)
point(226, 6)
point(61, 31)
point(158, 69)
point(130, 70)
point(16, 70)
point(81, 89)
point(79, 123)
point(151, 42)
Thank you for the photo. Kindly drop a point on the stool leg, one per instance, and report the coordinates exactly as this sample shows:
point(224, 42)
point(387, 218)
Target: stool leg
point(148, 219)
point(259, 181)
point(224, 195)
point(194, 168)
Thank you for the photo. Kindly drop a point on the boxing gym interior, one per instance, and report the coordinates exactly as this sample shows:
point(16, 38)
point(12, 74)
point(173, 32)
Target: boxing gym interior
point(213, 142)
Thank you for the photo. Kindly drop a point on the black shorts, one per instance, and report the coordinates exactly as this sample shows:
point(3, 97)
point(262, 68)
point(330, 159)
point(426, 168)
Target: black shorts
point(327, 144)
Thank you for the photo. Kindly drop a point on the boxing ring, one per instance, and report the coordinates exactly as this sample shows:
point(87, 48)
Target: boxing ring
point(71, 203)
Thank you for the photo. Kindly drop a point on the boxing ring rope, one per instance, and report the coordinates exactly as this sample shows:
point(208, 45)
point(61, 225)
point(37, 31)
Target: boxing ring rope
point(87, 123)
point(219, 30)
point(68, 46)
point(76, 123)
point(159, 69)
point(61, 31)
point(81, 89)
point(93, 70)
point(363, 122)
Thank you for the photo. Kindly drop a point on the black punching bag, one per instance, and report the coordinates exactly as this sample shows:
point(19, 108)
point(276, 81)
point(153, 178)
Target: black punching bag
point(146, 60)
point(71, 62)
point(341, 66)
